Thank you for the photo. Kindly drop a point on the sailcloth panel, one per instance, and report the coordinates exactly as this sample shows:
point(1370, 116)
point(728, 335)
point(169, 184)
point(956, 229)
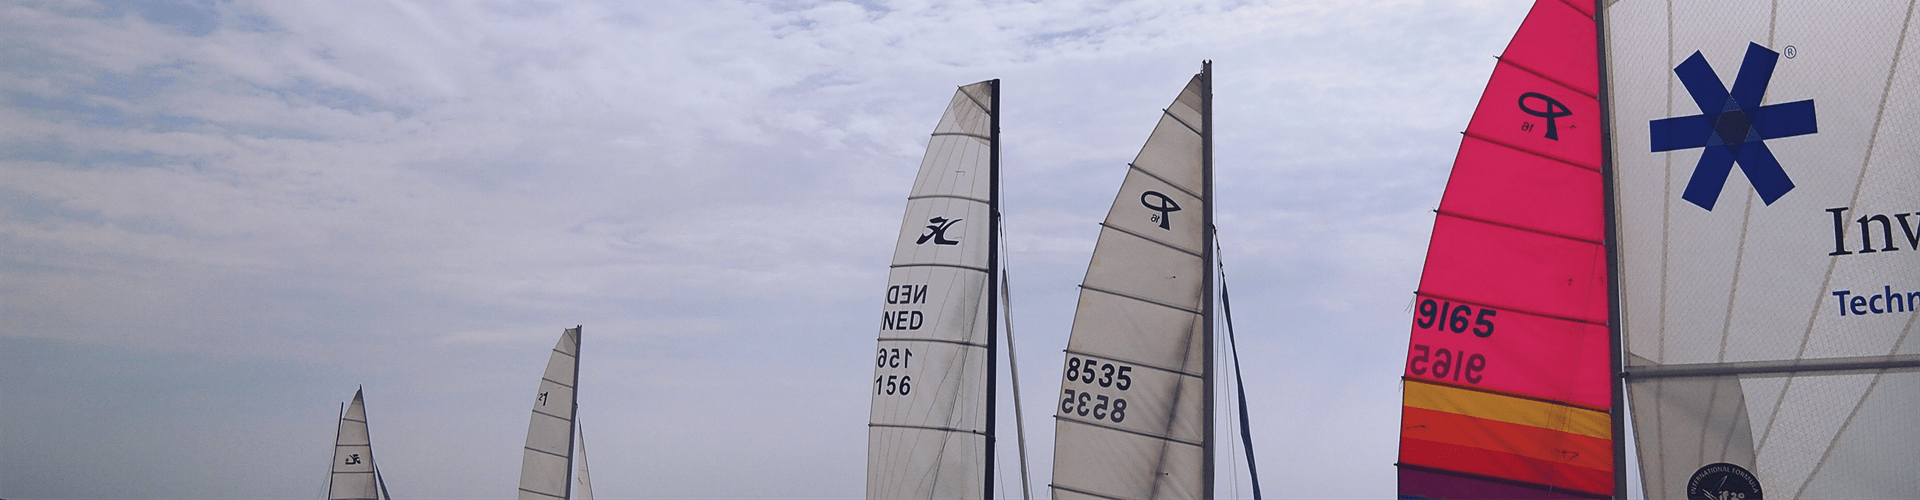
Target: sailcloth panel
point(1767, 176)
point(927, 434)
point(353, 476)
point(1507, 376)
point(548, 456)
point(1130, 422)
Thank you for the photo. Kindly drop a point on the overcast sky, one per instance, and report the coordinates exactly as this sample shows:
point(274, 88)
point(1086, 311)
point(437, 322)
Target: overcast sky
point(217, 219)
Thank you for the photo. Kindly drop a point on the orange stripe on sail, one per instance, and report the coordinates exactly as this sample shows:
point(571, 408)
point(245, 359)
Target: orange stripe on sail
point(1512, 410)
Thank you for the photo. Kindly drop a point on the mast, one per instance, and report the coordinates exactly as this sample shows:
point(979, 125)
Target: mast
point(1207, 262)
point(573, 419)
point(1616, 384)
point(993, 280)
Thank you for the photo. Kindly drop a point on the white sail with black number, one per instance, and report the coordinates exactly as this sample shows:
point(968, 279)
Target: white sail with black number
point(929, 432)
point(547, 461)
point(1132, 419)
point(354, 476)
point(1767, 173)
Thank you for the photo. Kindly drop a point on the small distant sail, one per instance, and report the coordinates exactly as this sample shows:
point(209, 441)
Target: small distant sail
point(1132, 416)
point(1507, 389)
point(928, 433)
point(354, 476)
point(546, 464)
point(1768, 185)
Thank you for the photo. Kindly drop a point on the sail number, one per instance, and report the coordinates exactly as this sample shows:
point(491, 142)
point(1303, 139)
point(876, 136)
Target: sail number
point(1102, 407)
point(1444, 363)
point(1445, 316)
point(893, 385)
point(1106, 375)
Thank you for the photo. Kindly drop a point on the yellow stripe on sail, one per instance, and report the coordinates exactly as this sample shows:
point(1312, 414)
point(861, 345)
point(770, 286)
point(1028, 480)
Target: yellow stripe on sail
point(1509, 409)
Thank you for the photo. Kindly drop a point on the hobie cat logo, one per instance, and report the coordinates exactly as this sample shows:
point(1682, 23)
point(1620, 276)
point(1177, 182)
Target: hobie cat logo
point(1733, 127)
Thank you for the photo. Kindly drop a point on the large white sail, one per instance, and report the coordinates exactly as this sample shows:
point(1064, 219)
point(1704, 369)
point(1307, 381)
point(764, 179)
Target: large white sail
point(1767, 178)
point(548, 459)
point(929, 432)
point(1132, 421)
point(354, 477)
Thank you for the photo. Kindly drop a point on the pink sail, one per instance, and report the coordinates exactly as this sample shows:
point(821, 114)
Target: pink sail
point(1507, 375)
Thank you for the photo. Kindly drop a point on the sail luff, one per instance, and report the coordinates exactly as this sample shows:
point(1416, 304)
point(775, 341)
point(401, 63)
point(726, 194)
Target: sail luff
point(993, 283)
point(1616, 352)
point(1208, 264)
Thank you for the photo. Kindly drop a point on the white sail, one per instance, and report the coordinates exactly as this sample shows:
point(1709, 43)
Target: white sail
point(1134, 404)
point(1767, 178)
point(548, 458)
point(354, 477)
point(927, 435)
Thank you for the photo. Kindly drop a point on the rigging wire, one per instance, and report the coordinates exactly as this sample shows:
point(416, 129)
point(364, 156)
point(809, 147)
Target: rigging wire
point(1013, 368)
point(1246, 434)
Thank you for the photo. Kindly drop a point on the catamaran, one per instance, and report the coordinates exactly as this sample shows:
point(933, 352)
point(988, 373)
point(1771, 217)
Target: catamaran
point(547, 462)
point(355, 475)
point(1596, 263)
point(1136, 414)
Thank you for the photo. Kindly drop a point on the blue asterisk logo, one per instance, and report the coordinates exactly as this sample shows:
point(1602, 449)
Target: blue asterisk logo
point(1733, 127)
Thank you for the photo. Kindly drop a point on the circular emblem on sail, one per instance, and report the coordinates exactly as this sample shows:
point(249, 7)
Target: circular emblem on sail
point(1723, 481)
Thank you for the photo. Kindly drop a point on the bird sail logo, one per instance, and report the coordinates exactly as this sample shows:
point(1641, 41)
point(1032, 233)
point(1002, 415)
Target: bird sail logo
point(1733, 127)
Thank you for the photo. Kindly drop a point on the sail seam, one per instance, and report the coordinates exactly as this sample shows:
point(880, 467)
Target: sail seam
point(1509, 308)
point(964, 134)
point(1169, 183)
point(352, 472)
point(538, 412)
point(567, 354)
point(1515, 147)
point(556, 382)
point(1129, 361)
point(1176, 118)
point(944, 341)
point(1498, 392)
point(530, 448)
point(1145, 237)
point(544, 494)
point(1457, 215)
point(1502, 480)
point(929, 428)
point(937, 264)
point(337, 445)
point(352, 420)
point(1057, 486)
point(1142, 299)
point(954, 196)
point(1556, 81)
point(1169, 439)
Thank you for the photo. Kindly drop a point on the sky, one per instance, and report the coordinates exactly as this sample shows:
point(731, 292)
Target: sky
point(220, 219)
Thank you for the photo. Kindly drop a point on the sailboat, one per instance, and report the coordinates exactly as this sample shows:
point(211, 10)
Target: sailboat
point(1136, 413)
point(931, 431)
point(547, 463)
point(1596, 263)
point(355, 475)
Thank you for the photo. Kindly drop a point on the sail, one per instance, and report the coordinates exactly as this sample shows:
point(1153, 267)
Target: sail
point(1132, 421)
point(354, 477)
point(548, 457)
point(929, 432)
point(1767, 174)
point(1507, 391)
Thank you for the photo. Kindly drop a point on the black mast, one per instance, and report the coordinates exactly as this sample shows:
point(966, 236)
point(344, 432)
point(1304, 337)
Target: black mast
point(1615, 333)
point(993, 279)
point(573, 418)
point(1207, 262)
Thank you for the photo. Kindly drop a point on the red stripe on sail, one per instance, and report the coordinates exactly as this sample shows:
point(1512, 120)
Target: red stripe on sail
point(1514, 295)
